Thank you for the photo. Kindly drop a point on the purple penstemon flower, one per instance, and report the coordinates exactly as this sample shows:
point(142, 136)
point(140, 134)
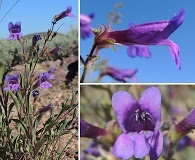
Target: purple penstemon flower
point(15, 31)
point(44, 77)
point(140, 122)
point(12, 82)
point(182, 128)
point(46, 108)
point(55, 50)
point(85, 20)
point(66, 13)
point(90, 131)
point(153, 33)
point(36, 38)
point(119, 74)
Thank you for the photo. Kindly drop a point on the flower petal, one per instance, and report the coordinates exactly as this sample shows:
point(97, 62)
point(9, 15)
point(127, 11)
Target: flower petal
point(141, 146)
point(138, 50)
point(10, 26)
point(174, 50)
point(150, 102)
point(124, 105)
point(156, 144)
point(46, 85)
point(18, 25)
point(123, 147)
point(174, 23)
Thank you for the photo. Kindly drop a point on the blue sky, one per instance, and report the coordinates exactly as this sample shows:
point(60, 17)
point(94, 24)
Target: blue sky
point(160, 68)
point(36, 15)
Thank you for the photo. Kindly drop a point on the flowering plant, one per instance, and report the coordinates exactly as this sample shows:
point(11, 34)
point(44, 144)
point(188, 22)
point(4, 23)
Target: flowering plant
point(28, 130)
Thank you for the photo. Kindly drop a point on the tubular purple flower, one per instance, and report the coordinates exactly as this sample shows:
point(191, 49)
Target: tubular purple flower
point(182, 128)
point(140, 122)
point(12, 82)
point(15, 31)
point(153, 33)
point(85, 20)
point(44, 77)
point(36, 38)
point(47, 108)
point(118, 74)
point(66, 13)
point(90, 131)
point(55, 50)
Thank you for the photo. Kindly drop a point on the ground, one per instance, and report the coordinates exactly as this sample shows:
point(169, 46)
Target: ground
point(65, 83)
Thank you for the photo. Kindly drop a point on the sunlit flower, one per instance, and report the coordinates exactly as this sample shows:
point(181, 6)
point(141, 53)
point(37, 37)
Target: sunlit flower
point(90, 131)
point(44, 77)
point(66, 13)
point(119, 74)
point(85, 20)
point(12, 82)
point(153, 33)
point(140, 122)
point(15, 31)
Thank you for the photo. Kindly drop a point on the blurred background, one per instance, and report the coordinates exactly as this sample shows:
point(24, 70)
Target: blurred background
point(160, 67)
point(96, 109)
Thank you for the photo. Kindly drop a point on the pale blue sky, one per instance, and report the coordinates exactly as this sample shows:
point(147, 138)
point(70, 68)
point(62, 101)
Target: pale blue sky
point(160, 67)
point(36, 15)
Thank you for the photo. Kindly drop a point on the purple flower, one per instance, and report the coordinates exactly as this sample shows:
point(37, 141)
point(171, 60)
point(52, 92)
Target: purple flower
point(36, 38)
point(153, 33)
point(15, 31)
point(187, 124)
point(47, 108)
point(182, 128)
point(44, 77)
point(35, 94)
point(12, 82)
point(185, 142)
point(66, 13)
point(138, 50)
point(119, 74)
point(55, 50)
point(85, 20)
point(90, 131)
point(140, 122)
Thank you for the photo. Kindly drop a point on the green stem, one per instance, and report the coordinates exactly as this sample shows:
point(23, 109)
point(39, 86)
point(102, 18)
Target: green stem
point(171, 151)
point(86, 63)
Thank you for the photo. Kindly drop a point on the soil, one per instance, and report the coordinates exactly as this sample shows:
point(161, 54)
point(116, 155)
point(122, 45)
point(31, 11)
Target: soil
point(65, 83)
